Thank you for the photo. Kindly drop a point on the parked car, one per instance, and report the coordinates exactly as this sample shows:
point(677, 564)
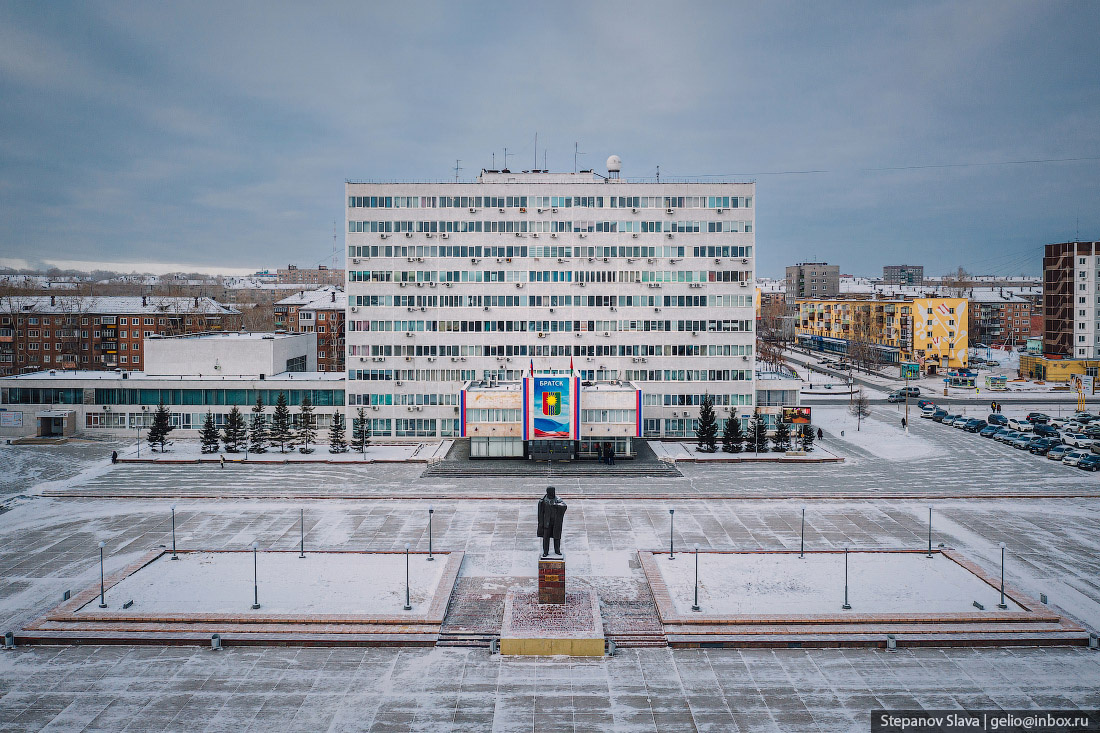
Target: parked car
point(1073, 457)
point(925, 403)
point(1046, 431)
point(895, 397)
point(1084, 417)
point(1037, 417)
point(1021, 442)
point(1040, 446)
point(1089, 462)
point(939, 415)
point(1018, 424)
point(1077, 440)
point(1006, 435)
point(1057, 422)
point(911, 391)
point(975, 424)
point(992, 363)
point(977, 360)
point(1058, 452)
point(989, 431)
point(950, 420)
point(1095, 447)
point(1092, 430)
point(1075, 426)
point(961, 422)
point(997, 418)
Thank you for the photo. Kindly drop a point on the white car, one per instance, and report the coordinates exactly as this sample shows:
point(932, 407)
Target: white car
point(1074, 426)
point(1019, 424)
point(927, 410)
point(1057, 422)
point(1074, 457)
point(1077, 440)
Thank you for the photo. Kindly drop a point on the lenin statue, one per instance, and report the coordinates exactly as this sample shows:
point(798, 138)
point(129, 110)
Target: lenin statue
point(551, 514)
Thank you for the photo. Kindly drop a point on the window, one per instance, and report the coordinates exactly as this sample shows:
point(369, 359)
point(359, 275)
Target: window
point(122, 321)
point(148, 322)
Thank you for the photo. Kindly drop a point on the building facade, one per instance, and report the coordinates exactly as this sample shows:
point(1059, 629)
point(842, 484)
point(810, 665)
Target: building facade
point(320, 275)
point(318, 311)
point(998, 317)
point(903, 274)
point(1071, 300)
point(537, 272)
point(78, 332)
point(931, 332)
point(811, 280)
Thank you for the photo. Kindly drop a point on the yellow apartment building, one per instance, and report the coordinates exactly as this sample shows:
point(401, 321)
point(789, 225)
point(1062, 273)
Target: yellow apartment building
point(931, 332)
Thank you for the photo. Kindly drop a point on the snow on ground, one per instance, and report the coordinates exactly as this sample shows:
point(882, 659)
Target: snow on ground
point(688, 451)
point(191, 450)
point(885, 582)
point(883, 439)
point(24, 466)
point(324, 582)
point(517, 564)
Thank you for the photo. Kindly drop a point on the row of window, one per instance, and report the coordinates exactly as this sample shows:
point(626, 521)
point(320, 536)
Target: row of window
point(456, 351)
point(549, 202)
point(524, 226)
point(507, 252)
point(547, 327)
point(551, 301)
point(493, 415)
point(241, 397)
point(423, 277)
point(656, 375)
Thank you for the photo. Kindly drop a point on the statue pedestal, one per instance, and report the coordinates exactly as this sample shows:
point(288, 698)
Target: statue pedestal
point(533, 628)
point(552, 581)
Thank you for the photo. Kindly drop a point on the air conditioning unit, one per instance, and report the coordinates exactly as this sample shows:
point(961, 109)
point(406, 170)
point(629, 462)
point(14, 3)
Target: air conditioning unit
point(554, 211)
point(651, 261)
point(399, 383)
point(355, 309)
point(454, 358)
point(409, 334)
point(502, 211)
point(408, 358)
point(473, 211)
point(553, 235)
point(485, 308)
point(613, 309)
point(423, 309)
point(474, 260)
point(431, 285)
point(385, 236)
point(402, 284)
point(542, 335)
point(535, 235)
point(669, 235)
point(408, 234)
point(582, 285)
point(605, 333)
point(463, 358)
point(744, 284)
point(717, 261)
point(693, 333)
point(519, 285)
point(635, 236)
point(374, 407)
point(419, 259)
point(379, 358)
point(551, 310)
point(719, 210)
point(744, 260)
point(668, 211)
point(519, 234)
point(634, 211)
point(582, 235)
point(428, 234)
point(578, 335)
point(447, 284)
point(540, 211)
point(444, 235)
point(362, 358)
point(420, 285)
point(411, 309)
point(355, 260)
point(656, 310)
point(744, 358)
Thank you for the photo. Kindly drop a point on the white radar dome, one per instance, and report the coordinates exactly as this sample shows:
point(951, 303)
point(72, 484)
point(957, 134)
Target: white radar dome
point(614, 164)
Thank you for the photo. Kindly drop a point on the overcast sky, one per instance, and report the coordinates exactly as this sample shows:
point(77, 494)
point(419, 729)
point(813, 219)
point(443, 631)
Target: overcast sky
point(220, 134)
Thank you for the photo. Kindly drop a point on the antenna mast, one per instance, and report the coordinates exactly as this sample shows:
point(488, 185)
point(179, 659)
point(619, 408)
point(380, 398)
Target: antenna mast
point(457, 169)
point(505, 159)
point(335, 245)
point(576, 152)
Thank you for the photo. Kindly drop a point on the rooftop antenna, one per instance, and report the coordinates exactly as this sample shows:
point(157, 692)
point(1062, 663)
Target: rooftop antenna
point(494, 161)
point(335, 245)
point(544, 160)
point(505, 159)
point(658, 174)
point(457, 169)
point(576, 152)
point(536, 149)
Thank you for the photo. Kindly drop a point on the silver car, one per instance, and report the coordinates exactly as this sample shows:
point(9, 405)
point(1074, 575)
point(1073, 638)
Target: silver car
point(1073, 457)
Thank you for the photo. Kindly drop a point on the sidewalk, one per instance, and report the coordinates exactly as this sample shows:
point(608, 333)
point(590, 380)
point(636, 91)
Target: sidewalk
point(190, 451)
point(687, 452)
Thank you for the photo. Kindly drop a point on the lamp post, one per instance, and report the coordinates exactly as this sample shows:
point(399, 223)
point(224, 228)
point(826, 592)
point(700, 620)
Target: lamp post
point(847, 606)
point(431, 511)
point(255, 578)
point(102, 603)
point(174, 555)
point(906, 402)
point(671, 523)
point(1002, 605)
point(802, 545)
point(929, 555)
point(140, 425)
point(695, 606)
point(302, 530)
point(408, 603)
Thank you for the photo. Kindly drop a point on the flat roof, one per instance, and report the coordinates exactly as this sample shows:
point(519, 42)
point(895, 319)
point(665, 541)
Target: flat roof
point(228, 336)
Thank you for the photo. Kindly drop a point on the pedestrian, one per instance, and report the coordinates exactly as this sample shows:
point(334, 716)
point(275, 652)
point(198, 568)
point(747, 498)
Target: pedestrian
point(820, 434)
point(610, 454)
point(222, 459)
point(114, 456)
point(903, 422)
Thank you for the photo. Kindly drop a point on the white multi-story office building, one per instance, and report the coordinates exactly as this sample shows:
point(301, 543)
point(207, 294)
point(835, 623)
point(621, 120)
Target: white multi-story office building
point(645, 282)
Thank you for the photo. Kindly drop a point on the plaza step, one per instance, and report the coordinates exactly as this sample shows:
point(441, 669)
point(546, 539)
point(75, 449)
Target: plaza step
point(638, 641)
point(477, 469)
point(459, 639)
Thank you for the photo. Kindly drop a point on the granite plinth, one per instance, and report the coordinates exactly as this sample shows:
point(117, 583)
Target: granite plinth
point(552, 581)
point(531, 628)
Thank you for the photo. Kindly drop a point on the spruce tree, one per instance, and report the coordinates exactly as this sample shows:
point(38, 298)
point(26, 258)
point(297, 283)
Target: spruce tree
point(307, 429)
point(257, 429)
point(210, 436)
point(732, 437)
point(707, 432)
point(158, 431)
point(336, 441)
point(360, 432)
point(281, 433)
point(758, 433)
point(234, 433)
point(807, 438)
point(781, 441)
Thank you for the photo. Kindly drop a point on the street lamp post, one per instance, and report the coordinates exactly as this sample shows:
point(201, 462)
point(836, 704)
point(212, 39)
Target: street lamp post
point(695, 606)
point(802, 544)
point(847, 606)
point(431, 511)
point(255, 577)
point(671, 523)
point(174, 555)
point(302, 530)
point(408, 602)
point(1002, 605)
point(929, 555)
point(907, 403)
point(102, 602)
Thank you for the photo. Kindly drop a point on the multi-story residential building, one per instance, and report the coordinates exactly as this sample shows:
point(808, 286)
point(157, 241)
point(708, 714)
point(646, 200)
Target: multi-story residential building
point(998, 317)
point(321, 275)
point(903, 274)
point(1071, 294)
point(811, 280)
point(650, 283)
point(97, 332)
point(318, 311)
point(931, 332)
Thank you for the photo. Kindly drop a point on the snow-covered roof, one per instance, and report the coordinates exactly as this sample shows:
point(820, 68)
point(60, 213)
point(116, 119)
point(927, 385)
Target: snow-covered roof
point(112, 376)
point(112, 304)
point(229, 336)
point(995, 295)
point(316, 298)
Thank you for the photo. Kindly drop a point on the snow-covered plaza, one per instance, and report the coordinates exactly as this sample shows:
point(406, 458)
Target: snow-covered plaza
point(981, 493)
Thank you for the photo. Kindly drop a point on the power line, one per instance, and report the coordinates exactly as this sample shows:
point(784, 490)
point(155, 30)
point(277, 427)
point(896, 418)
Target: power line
point(931, 166)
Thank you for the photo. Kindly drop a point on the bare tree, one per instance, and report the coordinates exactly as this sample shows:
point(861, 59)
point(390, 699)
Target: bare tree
point(957, 283)
point(860, 407)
